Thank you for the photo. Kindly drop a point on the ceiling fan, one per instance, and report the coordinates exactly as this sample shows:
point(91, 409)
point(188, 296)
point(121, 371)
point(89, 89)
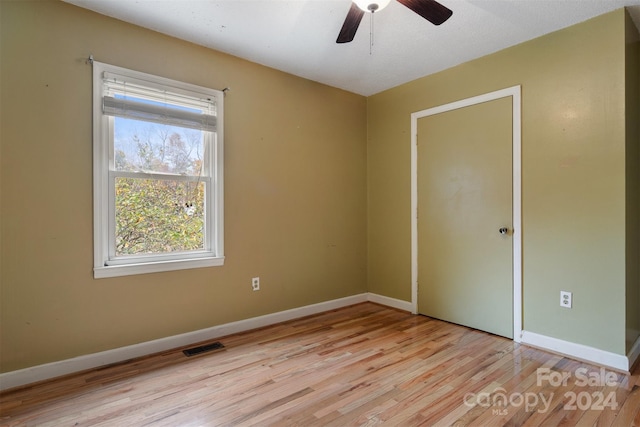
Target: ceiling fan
point(430, 10)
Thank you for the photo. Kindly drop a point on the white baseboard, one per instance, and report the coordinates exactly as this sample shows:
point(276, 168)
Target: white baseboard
point(34, 374)
point(55, 369)
point(578, 351)
point(390, 302)
point(634, 353)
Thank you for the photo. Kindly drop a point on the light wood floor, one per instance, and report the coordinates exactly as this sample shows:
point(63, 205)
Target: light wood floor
point(363, 365)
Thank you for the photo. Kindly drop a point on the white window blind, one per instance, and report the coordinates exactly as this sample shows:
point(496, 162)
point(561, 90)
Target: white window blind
point(124, 97)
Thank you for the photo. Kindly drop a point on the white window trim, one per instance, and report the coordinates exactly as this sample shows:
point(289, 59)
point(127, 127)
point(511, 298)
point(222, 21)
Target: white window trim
point(103, 204)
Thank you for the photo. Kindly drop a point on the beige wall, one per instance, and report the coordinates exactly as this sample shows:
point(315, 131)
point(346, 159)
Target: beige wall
point(632, 58)
point(311, 206)
point(573, 138)
point(295, 171)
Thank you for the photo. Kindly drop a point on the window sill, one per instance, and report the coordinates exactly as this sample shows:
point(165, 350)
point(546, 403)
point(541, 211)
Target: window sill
point(155, 267)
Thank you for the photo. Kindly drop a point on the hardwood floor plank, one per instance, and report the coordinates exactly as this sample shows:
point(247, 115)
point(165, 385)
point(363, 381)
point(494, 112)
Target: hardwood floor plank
point(364, 365)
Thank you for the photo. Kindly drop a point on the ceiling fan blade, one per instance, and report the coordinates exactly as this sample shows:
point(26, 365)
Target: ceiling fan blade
point(430, 10)
point(351, 23)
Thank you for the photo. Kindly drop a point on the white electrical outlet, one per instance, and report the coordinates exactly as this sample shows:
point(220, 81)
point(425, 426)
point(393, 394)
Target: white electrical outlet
point(565, 299)
point(255, 283)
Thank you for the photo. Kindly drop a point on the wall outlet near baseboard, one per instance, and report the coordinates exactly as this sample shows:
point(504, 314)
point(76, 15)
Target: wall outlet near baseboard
point(255, 283)
point(566, 299)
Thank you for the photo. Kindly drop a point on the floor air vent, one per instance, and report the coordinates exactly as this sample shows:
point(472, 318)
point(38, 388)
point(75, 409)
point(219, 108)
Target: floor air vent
point(203, 349)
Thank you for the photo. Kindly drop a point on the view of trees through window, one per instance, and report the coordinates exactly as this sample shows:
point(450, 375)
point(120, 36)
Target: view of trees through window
point(164, 212)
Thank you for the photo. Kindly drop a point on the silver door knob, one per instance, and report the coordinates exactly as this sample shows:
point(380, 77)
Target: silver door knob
point(503, 230)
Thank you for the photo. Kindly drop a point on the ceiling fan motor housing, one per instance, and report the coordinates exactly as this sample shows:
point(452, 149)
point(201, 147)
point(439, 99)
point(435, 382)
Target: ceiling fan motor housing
point(372, 6)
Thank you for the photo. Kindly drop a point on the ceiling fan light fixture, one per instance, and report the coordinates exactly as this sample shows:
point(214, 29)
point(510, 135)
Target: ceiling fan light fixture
point(372, 5)
point(430, 10)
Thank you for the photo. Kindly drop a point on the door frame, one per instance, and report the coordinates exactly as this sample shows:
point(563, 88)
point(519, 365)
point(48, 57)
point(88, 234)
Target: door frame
point(515, 93)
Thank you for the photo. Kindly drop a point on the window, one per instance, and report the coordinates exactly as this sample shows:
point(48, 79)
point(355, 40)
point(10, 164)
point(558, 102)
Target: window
point(158, 194)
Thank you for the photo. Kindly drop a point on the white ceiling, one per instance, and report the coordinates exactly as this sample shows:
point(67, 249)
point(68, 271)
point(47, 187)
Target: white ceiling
point(298, 36)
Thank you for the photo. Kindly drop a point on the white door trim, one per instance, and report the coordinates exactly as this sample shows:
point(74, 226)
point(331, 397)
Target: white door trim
point(513, 92)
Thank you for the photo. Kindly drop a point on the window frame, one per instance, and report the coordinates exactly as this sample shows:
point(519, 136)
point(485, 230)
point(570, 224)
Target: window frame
point(106, 264)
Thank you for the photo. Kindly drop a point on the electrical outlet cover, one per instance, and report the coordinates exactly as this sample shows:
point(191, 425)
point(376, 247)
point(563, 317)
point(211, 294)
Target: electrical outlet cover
point(565, 299)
